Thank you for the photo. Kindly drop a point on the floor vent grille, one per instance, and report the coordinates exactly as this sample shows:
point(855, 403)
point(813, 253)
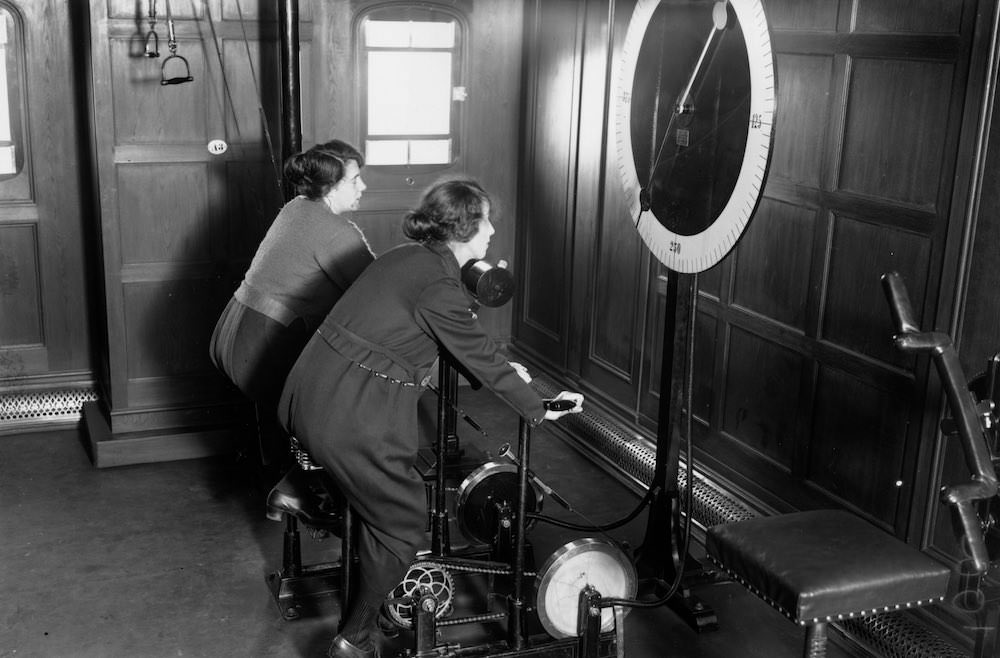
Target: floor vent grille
point(896, 635)
point(27, 409)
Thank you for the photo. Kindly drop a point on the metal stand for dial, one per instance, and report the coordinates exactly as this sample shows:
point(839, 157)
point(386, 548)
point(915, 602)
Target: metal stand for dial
point(660, 561)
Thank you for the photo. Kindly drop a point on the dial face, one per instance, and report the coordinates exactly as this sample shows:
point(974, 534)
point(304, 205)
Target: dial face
point(573, 567)
point(694, 104)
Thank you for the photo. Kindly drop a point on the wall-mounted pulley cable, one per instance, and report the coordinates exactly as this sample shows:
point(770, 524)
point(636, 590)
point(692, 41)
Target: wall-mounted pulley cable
point(178, 61)
point(151, 44)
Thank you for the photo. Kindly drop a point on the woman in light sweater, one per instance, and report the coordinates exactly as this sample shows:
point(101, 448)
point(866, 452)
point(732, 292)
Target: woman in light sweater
point(310, 255)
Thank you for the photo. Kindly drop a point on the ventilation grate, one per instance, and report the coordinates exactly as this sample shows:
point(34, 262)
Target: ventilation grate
point(636, 456)
point(889, 635)
point(896, 635)
point(43, 406)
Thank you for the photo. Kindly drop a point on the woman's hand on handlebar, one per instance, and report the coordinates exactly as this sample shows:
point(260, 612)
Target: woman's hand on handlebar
point(562, 404)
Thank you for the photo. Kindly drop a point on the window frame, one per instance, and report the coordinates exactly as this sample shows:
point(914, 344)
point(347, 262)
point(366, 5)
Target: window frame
point(414, 11)
point(15, 59)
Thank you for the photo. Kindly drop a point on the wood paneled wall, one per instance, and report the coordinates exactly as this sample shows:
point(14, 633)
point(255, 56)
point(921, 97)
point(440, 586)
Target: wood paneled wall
point(800, 398)
point(45, 302)
point(807, 384)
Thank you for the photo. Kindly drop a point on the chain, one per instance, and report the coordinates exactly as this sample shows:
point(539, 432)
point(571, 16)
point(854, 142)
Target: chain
point(171, 39)
point(471, 566)
point(472, 619)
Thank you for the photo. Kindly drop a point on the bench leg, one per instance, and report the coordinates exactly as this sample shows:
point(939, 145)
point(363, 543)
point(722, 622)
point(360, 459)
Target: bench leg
point(815, 640)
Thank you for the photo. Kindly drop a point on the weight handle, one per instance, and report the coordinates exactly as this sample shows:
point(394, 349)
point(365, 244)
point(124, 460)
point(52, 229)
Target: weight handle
point(971, 527)
point(899, 304)
point(909, 338)
point(559, 405)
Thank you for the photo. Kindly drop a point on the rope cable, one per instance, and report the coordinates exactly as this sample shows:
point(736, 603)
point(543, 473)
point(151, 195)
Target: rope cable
point(260, 107)
point(257, 200)
point(222, 70)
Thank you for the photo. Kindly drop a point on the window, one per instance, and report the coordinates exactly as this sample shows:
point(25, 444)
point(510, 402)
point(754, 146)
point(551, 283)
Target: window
point(411, 65)
point(11, 57)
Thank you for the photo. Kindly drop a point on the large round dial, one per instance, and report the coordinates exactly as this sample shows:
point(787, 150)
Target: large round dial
point(694, 105)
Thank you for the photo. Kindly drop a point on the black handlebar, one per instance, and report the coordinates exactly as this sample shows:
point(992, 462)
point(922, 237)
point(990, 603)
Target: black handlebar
point(899, 304)
point(558, 405)
point(909, 338)
point(177, 80)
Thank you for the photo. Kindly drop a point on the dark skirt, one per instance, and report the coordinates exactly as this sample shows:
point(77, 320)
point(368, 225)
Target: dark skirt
point(363, 430)
point(256, 352)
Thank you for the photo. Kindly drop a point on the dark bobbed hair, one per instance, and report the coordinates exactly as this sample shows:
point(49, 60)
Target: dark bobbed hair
point(312, 173)
point(449, 210)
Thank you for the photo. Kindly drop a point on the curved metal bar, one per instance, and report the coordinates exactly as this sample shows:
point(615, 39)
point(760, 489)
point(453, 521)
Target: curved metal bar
point(177, 79)
point(963, 408)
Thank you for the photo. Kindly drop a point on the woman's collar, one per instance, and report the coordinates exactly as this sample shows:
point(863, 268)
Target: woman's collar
point(447, 255)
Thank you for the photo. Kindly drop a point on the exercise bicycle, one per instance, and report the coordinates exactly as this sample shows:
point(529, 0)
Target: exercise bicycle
point(582, 591)
point(571, 606)
point(574, 605)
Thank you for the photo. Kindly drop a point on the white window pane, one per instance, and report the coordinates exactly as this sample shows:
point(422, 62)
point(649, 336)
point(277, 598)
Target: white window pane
point(409, 34)
point(387, 34)
point(4, 98)
point(433, 35)
point(388, 152)
point(409, 93)
point(431, 151)
point(8, 164)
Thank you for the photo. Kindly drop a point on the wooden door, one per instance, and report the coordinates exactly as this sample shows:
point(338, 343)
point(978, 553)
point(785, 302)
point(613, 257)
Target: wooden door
point(488, 132)
point(179, 218)
point(46, 304)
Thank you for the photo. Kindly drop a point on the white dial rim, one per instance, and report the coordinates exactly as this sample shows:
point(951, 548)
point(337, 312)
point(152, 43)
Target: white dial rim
point(699, 252)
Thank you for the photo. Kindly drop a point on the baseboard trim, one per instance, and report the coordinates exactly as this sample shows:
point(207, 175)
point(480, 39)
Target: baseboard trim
point(106, 449)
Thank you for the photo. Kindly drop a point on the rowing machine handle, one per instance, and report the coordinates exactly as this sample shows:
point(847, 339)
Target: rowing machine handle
point(972, 527)
point(899, 304)
point(963, 410)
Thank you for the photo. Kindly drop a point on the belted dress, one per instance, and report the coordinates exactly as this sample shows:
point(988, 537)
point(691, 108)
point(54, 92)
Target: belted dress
point(351, 398)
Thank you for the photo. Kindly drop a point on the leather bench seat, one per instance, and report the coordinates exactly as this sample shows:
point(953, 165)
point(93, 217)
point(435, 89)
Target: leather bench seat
point(825, 565)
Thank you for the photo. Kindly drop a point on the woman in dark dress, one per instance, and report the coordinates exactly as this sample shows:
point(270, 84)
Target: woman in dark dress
point(351, 397)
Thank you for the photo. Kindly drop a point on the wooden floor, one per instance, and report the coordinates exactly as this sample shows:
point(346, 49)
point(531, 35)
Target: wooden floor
point(170, 559)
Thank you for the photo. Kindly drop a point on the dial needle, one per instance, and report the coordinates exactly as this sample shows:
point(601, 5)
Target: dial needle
point(720, 18)
point(718, 24)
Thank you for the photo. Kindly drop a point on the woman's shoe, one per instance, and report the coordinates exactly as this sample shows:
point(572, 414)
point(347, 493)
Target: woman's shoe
point(299, 495)
point(341, 648)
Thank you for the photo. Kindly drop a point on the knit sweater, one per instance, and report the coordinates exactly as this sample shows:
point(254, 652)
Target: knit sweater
point(308, 259)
